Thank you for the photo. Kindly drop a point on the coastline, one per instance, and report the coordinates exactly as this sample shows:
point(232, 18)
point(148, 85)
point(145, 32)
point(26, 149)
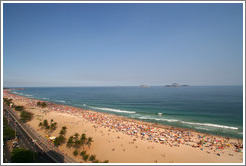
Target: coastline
point(140, 149)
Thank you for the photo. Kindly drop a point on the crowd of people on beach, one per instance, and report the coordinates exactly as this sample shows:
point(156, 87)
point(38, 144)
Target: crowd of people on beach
point(141, 130)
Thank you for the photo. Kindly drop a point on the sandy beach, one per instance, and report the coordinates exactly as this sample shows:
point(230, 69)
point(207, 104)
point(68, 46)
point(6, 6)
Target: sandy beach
point(123, 140)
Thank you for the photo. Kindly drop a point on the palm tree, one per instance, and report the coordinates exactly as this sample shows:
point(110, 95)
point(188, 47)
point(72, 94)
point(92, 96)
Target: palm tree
point(76, 136)
point(83, 139)
point(40, 124)
point(53, 126)
point(92, 158)
point(83, 153)
point(75, 153)
point(96, 161)
point(85, 157)
point(77, 144)
point(70, 142)
point(89, 141)
point(63, 130)
point(45, 123)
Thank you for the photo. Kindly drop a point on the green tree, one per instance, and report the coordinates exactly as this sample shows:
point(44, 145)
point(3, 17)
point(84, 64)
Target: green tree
point(89, 141)
point(43, 104)
point(83, 139)
point(7, 101)
point(77, 144)
point(59, 140)
point(40, 124)
point(19, 108)
point(63, 130)
point(92, 158)
point(7, 130)
point(26, 116)
point(83, 153)
point(106, 161)
point(45, 123)
point(85, 157)
point(39, 103)
point(75, 153)
point(76, 136)
point(70, 142)
point(53, 126)
point(20, 155)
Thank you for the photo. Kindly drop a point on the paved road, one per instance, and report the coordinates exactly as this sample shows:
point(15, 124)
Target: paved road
point(38, 141)
point(26, 142)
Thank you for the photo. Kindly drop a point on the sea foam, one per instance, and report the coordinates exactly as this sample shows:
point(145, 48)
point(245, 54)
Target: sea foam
point(61, 101)
point(113, 110)
point(211, 125)
point(158, 119)
point(190, 123)
point(28, 95)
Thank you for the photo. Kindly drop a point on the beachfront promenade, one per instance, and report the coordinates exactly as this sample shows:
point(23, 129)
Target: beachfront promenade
point(42, 144)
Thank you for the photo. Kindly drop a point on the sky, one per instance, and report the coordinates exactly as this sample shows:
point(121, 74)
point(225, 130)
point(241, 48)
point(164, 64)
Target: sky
point(122, 44)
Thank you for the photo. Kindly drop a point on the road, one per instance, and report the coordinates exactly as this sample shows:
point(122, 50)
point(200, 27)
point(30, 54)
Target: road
point(25, 142)
point(37, 141)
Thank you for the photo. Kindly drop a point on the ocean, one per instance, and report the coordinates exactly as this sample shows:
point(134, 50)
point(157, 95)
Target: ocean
point(208, 109)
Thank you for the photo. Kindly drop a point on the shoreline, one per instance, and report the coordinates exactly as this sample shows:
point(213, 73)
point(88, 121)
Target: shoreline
point(187, 140)
point(165, 126)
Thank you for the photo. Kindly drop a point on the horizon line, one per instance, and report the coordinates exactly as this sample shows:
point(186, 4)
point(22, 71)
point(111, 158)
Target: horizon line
point(105, 86)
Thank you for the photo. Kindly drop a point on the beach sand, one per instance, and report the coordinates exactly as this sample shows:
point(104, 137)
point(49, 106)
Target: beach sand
point(109, 143)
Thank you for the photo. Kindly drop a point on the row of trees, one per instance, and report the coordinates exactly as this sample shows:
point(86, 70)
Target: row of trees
point(76, 142)
point(87, 157)
point(25, 115)
point(8, 132)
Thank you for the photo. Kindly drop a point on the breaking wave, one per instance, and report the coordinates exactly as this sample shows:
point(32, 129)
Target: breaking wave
point(191, 123)
point(113, 110)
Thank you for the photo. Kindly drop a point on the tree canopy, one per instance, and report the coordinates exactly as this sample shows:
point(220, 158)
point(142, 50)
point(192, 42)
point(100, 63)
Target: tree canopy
point(20, 155)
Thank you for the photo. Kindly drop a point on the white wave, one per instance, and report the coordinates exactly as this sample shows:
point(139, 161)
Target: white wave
point(27, 95)
point(113, 110)
point(201, 128)
point(241, 133)
point(158, 119)
point(210, 125)
point(61, 101)
point(141, 117)
point(45, 98)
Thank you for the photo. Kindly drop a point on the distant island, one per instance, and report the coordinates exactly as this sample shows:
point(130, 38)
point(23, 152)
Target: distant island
point(176, 85)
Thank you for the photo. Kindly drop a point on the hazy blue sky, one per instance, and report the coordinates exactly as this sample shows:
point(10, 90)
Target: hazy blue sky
point(122, 44)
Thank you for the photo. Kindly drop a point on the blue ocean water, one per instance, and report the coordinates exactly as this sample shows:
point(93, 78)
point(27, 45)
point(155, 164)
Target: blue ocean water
point(210, 109)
